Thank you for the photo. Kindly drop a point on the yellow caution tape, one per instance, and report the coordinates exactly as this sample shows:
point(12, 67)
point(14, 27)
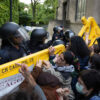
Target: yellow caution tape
point(10, 68)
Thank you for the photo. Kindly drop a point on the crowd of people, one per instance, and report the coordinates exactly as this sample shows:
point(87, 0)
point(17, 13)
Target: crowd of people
point(72, 75)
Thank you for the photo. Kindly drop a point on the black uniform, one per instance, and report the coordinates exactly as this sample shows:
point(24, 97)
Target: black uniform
point(9, 53)
point(68, 35)
point(36, 42)
point(38, 48)
point(12, 36)
point(58, 34)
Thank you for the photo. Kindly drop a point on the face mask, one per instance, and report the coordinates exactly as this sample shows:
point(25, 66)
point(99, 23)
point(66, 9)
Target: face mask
point(79, 88)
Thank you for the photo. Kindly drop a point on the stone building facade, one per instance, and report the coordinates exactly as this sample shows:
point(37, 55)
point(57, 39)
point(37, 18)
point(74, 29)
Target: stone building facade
point(70, 12)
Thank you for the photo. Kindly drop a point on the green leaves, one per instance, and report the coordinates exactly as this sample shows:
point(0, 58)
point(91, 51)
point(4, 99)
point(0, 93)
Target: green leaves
point(24, 16)
point(5, 11)
point(46, 11)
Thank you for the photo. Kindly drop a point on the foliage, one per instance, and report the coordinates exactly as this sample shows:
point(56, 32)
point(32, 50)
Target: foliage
point(24, 16)
point(53, 4)
point(34, 4)
point(5, 11)
point(46, 12)
point(38, 13)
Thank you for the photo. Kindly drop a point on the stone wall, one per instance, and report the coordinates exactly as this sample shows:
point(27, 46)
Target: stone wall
point(72, 10)
point(93, 9)
point(76, 27)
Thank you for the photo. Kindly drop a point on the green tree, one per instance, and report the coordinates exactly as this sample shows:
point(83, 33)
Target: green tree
point(34, 4)
point(24, 16)
point(52, 4)
point(5, 11)
point(42, 14)
point(46, 12)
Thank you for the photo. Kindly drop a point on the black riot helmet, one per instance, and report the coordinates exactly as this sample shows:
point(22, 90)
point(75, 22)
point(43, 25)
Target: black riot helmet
point(69, 34)
point(55, 29)
point(38, 35)
point(10, 30)
point(58, 42)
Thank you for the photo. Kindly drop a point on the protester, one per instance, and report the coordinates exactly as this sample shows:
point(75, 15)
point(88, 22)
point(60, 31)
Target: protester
point(61, 68)
point(36, 91)
point(94, 49)
point(80, 49)
point(62, 93)
point(48, 82)
point(19, 95)
point(88, 85)
point(95, 62)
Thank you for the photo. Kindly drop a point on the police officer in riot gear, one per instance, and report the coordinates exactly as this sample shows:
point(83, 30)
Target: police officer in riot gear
point(55, 29)
point(12, 38)
point(37, 40)
point(62, 28)
point(58, 34)
point(68, 34)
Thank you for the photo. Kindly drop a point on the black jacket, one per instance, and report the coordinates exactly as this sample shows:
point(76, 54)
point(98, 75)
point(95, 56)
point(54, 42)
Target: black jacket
point(9, 53)
point(35, 47)
point(57, 36)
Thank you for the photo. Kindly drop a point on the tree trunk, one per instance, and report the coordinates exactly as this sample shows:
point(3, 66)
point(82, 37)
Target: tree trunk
point(32, 9)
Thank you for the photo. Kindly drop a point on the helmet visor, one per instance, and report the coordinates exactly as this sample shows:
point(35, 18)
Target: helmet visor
point(22, 33)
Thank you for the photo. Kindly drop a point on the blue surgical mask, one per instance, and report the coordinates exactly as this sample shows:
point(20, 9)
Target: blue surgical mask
point(80, 88)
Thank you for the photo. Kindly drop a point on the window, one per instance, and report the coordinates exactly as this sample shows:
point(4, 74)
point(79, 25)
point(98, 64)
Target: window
point(80, 9)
